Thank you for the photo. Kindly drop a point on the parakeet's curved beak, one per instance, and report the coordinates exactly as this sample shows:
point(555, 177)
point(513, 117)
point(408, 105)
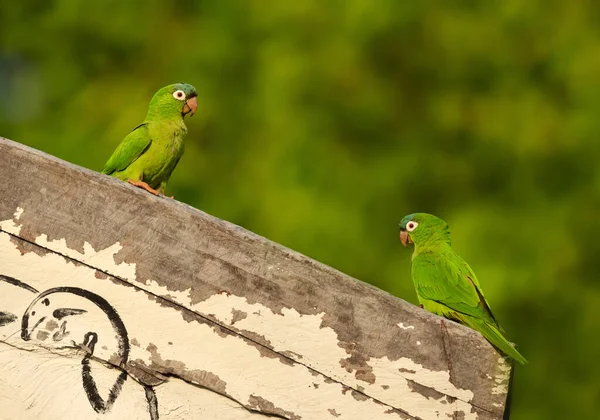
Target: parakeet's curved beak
point(191, 105)
point(405, 238)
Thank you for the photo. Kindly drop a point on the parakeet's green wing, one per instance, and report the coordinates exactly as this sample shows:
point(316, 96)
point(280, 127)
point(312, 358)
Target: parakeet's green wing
point(131, 148)
point(447, 279)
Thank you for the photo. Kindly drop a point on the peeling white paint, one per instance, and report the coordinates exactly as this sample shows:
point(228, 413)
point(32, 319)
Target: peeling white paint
point(414, 403)
point(10, 225)
point(262, 320)
point(195, 347)
point(202, 349)
point(501, 389)
point(502, 378)
point(102, 258)
point(308, 330)
point(503, 365)
point(157, 289)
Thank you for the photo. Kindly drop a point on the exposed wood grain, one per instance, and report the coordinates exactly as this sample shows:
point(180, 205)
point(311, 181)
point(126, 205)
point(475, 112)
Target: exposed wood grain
point(282, 303)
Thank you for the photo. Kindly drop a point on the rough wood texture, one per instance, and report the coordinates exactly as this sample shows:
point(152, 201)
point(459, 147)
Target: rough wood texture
point(261, 329)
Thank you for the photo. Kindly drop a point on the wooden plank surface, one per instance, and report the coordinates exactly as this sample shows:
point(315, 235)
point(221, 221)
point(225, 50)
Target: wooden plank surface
point(263, 328)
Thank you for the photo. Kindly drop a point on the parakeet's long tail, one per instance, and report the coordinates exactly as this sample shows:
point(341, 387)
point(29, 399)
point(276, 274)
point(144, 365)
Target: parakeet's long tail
point(494, 336)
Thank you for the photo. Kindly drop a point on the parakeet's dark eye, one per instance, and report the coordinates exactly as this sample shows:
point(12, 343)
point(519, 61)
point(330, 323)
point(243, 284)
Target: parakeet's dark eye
point(410, 226)
point(179, 94)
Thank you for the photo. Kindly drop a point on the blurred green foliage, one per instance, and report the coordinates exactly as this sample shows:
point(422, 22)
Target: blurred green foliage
point(321, 124)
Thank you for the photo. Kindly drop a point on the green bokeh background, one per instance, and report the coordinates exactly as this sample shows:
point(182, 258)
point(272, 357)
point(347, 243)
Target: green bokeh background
point(322, 123)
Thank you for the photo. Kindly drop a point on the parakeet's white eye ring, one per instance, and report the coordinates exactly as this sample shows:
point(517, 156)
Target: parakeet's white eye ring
point(410, 226)
point(179, 94)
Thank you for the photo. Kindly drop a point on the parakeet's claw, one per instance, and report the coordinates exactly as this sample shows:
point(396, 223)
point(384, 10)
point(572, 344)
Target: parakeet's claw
point(142, 184)
point(421, 306)
point(161, 192)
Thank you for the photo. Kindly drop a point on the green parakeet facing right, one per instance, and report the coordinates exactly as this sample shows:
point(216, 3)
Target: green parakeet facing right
point(445, 283)
point(147, 156)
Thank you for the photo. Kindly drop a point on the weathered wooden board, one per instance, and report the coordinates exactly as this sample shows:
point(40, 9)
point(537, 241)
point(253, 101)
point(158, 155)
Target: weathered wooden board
point(216, 317)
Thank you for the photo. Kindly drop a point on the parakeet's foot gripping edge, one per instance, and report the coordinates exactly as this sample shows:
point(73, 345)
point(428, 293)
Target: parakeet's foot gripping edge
point(142, 184)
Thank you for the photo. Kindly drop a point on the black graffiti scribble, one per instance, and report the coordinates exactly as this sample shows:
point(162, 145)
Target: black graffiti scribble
point(18, 283)
point(63, 312)
point(6, 318)
point(89, 385)
point(152, 402)
point(61, 333)
point(89, 341)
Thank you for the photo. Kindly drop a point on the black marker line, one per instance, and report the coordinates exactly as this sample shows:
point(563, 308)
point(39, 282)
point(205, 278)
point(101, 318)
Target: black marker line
point(152, 402)
point(18, 283)
point(6, 318)
point(63, 312)
point(91, 390)
point(90, 339)
point(100, 302)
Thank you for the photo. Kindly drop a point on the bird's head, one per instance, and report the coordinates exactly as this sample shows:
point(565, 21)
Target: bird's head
point(46, 319)
point(172, 100)
point(419, 228)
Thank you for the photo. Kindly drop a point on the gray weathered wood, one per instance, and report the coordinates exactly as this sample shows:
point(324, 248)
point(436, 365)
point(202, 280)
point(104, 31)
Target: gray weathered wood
point(380, 349)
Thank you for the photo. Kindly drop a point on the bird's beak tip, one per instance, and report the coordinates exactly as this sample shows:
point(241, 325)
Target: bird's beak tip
point(404, 238)
point(191, 105)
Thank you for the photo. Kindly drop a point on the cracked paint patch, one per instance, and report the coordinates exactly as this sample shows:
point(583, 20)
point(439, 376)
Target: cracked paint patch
point(169, 367)
point(359, 363)
point(424, 390)
point(333, 412)
point(262, 321)
point(160, 290)
point(502, 379)
point(237, 315)
point(18, 213)
point(423, 393)
point(268, 407)
point(10, 226)
point(102, 258)
point(399, 414)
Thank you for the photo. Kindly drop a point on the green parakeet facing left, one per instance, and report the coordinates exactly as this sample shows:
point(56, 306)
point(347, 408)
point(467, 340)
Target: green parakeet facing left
point(147, 156)
point(445, 283)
